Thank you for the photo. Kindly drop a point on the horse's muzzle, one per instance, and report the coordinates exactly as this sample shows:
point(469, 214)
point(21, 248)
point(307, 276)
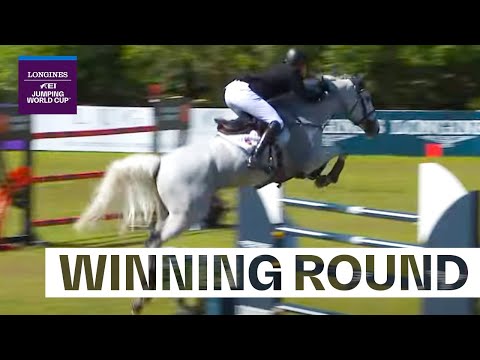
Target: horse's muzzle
point(371, 128)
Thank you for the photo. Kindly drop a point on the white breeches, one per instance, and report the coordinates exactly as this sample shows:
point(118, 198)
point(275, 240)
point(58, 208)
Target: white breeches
point(240, 98)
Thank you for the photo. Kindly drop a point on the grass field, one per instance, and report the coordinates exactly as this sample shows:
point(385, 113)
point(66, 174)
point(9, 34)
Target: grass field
point(380, 182)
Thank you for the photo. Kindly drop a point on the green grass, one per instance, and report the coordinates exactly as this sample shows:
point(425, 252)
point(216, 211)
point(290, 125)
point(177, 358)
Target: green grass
point(379, 182)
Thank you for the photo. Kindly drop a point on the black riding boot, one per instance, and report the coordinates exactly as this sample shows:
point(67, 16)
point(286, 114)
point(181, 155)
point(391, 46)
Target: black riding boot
point(273, 129)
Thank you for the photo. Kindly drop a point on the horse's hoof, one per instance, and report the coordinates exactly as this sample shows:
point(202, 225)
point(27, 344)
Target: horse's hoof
point(137, 307)
point(322, 182)
point(136, 311)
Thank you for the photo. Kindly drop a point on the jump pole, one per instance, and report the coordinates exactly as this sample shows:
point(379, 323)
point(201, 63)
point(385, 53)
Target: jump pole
point(447, 218)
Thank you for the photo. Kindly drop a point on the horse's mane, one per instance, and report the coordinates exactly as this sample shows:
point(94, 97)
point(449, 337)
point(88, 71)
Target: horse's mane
point(356, 79)
point(333, 78)
point(322, 82)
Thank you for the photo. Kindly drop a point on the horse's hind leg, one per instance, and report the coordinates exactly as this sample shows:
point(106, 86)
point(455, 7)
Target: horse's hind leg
point(139, 304)
point(173, 226)
point(152, 242)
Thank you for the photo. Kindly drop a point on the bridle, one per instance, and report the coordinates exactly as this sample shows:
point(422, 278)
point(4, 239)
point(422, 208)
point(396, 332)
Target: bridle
point(360, 100)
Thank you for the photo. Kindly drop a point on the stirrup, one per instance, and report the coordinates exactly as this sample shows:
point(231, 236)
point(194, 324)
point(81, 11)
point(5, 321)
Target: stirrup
point(254, 164)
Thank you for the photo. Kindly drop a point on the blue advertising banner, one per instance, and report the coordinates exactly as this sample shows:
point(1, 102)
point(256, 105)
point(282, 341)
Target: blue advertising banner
point(408, 133)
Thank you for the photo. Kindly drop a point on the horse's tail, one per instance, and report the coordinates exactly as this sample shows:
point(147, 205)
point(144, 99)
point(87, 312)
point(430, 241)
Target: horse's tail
point(128, 187)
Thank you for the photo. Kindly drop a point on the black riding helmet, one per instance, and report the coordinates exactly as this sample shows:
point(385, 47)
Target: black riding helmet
point(295, 57)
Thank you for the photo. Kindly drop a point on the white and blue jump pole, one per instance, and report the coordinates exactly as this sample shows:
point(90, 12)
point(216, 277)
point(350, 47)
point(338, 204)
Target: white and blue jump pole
point(447, 218)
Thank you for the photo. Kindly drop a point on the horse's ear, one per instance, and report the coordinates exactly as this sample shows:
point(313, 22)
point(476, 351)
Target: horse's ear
point(323, 84)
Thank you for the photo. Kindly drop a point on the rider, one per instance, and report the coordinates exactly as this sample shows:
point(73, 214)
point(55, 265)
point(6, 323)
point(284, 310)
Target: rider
point(249, 94)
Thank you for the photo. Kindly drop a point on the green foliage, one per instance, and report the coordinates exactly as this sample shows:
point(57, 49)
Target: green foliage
point(399, 76)
point(9, 67)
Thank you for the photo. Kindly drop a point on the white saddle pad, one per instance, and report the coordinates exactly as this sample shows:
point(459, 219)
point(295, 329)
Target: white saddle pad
point(246, 142)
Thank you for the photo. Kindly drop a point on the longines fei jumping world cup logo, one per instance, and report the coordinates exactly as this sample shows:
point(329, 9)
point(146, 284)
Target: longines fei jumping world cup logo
point(47, 85)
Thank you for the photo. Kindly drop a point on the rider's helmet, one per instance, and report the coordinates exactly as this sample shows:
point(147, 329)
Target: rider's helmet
point(295, 58)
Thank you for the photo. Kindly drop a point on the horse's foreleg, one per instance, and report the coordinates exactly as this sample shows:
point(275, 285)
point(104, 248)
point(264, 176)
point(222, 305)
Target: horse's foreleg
point(334, 175)
point(337, 169)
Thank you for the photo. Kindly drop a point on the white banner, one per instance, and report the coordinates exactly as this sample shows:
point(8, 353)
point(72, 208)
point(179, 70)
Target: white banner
point(202, 128)
point(266, 273)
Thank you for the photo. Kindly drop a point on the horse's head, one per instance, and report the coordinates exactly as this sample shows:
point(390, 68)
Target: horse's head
point(355, 100)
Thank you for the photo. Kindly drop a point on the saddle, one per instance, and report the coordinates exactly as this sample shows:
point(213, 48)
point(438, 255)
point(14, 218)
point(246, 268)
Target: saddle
point(244, 124)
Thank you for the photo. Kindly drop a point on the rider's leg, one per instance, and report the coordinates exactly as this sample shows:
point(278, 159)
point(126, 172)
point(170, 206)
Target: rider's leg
point(234, 96)
point(239, 97)
point(274, 128)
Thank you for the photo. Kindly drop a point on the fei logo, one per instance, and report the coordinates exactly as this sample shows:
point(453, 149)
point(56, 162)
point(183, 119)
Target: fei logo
point(47, 85)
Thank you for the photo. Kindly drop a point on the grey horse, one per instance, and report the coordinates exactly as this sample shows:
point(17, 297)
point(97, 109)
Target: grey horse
point(174, 190)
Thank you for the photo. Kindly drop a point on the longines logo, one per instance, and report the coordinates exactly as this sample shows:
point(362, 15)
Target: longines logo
point(47, 85)
point(446, 132)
